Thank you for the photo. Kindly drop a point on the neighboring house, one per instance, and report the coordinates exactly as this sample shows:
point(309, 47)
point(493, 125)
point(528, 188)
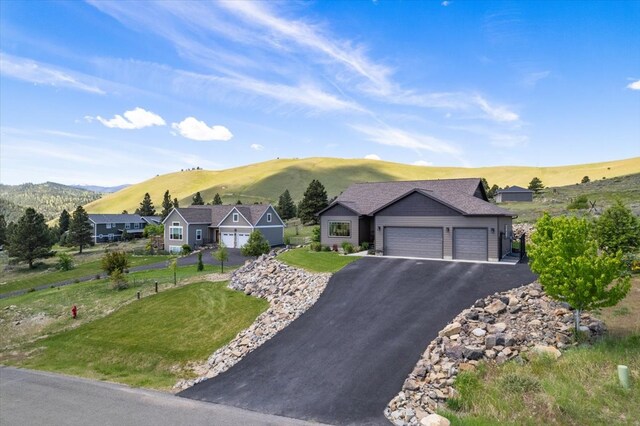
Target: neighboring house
point(231, 225)
point(443, 219)
point(110, 227)
point(514, 193)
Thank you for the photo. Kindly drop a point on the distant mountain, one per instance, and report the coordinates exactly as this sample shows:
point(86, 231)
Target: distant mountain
point(10, 211)
point(264, 182)
point(101, 189)
point(48, 198)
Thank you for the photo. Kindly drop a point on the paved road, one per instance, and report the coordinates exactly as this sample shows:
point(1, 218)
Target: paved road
point(235, 258)
point(344, 359)
point(37, 398)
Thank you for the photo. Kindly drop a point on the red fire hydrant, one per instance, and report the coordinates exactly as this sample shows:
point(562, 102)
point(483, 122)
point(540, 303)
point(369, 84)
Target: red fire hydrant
point(74, 312)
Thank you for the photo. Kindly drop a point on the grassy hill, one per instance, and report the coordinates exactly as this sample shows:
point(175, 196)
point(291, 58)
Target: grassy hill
point(264, 182)
point(48, 198)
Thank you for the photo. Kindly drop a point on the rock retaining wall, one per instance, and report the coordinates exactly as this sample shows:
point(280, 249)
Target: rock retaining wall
point(496, 329)
point(290, 292)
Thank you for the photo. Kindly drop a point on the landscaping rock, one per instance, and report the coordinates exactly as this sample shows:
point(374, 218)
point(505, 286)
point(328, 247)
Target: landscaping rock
point(496, 307)
point(434, 420)
point(451, 329)
point(547, 350)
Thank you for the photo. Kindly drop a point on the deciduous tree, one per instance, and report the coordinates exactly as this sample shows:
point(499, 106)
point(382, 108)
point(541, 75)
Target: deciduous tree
point(618, 229)
point(29, 238)
point(565, 256)
point(314, 200)
point(80, 228)
point(221, 255)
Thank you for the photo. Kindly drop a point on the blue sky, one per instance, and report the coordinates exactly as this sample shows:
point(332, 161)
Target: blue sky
point(106, 93)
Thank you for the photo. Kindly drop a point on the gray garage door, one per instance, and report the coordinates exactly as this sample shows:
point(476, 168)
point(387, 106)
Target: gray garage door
point(470, 243)
point(413, 242)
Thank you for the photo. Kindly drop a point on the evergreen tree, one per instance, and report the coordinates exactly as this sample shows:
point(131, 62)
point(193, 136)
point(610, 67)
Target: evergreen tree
point(493, 191)
point(146, 206)
point(3, 230)
point(536, 185)
point(315, 199)
point(125, 212)
point(286, 208)
point(256, 245)
point(217, 200)
point(238, 203)
point(618, 229)
point(167, 204)
point(176, 205)
point(63, 221)
point(197, 200)
point(80, 228)
point(29, 239)
point(485, 184)
point(585, 179)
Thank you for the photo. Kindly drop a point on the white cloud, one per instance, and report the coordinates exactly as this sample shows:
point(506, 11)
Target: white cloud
point(372, 157)
point(386, 135)
point(531, 79)
point(137, 118)
point(635, 85)
point(39, 73)
point(445, 3)
point(421, 163)
point(257, 147)
point(192, 128)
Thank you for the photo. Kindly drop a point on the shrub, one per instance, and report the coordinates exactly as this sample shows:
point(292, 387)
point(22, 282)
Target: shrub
point(256, 245)
point(115, 261)
point(287, 240)
point(65, 262)
point(315, 234)
point(579, 203)
point(316, 246)
point(618, 229)
point(515, 382)
point(347, 247)
point(326, 248)
point(98, 276)
point(119, 280)
point(186, 249)
point(335, 247)
point(200, 264)
point(365, 246)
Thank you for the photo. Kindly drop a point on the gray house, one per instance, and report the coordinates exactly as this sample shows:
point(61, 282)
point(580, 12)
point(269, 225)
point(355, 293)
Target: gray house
point(442, 219)
point(514, 193)
point(110, 227)
point(231, 225)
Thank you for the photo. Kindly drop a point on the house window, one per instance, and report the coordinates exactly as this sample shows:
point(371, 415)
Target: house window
point(108, 226)
point(198, 234)
point(339, 229)
point(127, 226)
point(136, 225)
point(236, 217)
point(268, 217)
point(175, 232)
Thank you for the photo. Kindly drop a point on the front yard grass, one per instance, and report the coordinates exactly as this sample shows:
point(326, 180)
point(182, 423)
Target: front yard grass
point(149, 342)
point(316, 261)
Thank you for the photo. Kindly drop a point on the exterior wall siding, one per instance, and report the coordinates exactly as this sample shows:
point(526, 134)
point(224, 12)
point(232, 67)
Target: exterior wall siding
point(274, 218)
point(417, 204)
point(505, 222)
point(338, 210)
point(228, 222)
point(330, 241)
point(443, 222)
point(192, 235)
point(275, 236)
point(514, 196)
point(175, 217)
point(101, 228)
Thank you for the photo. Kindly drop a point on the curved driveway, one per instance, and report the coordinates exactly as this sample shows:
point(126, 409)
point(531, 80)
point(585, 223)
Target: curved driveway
point(346, 357)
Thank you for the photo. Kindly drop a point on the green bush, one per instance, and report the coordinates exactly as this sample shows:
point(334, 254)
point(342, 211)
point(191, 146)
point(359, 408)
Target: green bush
point(256, 245)
point(326, 248)
point(65, 262)
point(119, 280)
point(365, 246)
point(315, 234)
point(316, 246)
point(579, 203)
point(200, 264)
point(347, 247)
point(287, 240)
point(186, 249)
point(115, 261)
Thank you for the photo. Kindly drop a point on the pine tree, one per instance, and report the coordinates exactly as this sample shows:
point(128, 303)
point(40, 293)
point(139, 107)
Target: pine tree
point(238, 203)
point(146, 206)
point(315, 199)
point(80, 229)
point(286, 208)
point(217, 200)
point(493, 191)
point(29, 239)
point(256, 245)
point(197, 200)
point(536, 185)
point(176, 204)
point(167, 205)
point(63, 221)
point(3, 230)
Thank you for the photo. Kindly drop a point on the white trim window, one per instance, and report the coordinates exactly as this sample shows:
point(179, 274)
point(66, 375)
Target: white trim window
point(175, 231)
point(108, 226)
point(339, 229)
point(198, 234)
point(136, 226)
point(127, 226)
point(269, 217)
point(236, 217)
point(175, 249)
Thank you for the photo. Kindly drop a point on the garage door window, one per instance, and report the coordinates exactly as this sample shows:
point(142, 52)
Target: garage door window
point(339, 229)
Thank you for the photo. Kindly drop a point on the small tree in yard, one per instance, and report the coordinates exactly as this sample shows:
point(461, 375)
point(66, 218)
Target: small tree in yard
point(315, 234)
point(618, 229)
point(173, 266)
point(65, 262)
point(315, 199)
point(80, 229)
point(536, 185)
point(256, 245)
point(29, 239)
point(200, 264)
point(115, 261)
point(565, 256)
point(221, 255)
point(119, 280)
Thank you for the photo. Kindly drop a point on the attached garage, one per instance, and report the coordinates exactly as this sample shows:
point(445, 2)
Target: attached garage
point(242, 239)
point(413, 242)
point(228, 239)
point(470, 243)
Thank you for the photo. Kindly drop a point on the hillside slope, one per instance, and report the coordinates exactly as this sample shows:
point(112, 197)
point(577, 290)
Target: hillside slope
point(264, 182)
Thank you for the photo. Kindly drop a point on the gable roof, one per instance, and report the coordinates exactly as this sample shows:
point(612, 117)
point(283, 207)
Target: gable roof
point(514, 189)
point(214, 215)
point(116, 218)
point(194, 215)
point(369, 198)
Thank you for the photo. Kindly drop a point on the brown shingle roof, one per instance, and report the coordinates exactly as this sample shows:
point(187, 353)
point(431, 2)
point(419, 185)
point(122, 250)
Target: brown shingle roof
point(367, 198)
point(215, 214)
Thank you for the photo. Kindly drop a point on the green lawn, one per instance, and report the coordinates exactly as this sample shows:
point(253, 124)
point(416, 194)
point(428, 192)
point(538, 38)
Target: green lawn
point(316, 261)
point(149, 342)
point(81, 270)
point(579, 388)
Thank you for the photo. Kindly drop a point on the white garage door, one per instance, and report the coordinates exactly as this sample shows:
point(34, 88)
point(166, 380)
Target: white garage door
point(228, 239)
point(242, 239)
point(413, 242)
point(470, 243)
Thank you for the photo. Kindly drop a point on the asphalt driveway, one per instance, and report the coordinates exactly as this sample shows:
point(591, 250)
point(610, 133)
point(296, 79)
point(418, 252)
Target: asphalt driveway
point(346, 357)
